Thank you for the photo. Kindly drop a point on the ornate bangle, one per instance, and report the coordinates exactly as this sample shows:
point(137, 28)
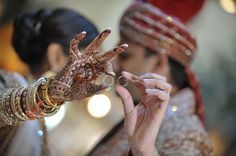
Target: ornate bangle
point(33, 106)
point(39, 105)
point(9, 111)
point(18, 104)
point(3, 113)
point(50, 111)
point(15, 103)
point(23, 102)
point(26, 103)
point(5, 110)
point(45, 97)
point(50, 108)
point(42, 102)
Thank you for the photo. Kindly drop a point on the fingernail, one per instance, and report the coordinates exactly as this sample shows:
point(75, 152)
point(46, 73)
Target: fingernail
point(112, 74)
point(108, 30)
point(125, 45)
point(124, 73)
point(148, 91)
point(83, 32)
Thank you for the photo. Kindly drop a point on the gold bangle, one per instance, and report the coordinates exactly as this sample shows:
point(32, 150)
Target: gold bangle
point(9, 111)
point(19, 102)
point(5, 110)
point(44, 111)
point(23, 103)
point(18, 109)
point(14, 104)
point(49, 108)
point(46, 98)
point(26, 104)
point(3, 114)
point(37, 109)
point(30, 110)
point(49, 111)
point(33, 105)
point(43, 104)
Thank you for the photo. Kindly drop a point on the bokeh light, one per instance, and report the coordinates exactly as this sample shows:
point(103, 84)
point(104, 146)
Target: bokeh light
point(99, 106)
point(229, 6)
point(53, 121)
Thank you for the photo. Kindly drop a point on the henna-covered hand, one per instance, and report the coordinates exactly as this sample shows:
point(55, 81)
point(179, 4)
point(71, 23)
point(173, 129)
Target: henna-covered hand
point(77, 79)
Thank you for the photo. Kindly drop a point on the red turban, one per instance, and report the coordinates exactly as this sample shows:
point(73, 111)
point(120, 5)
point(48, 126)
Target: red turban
point(158, 31)
point(185, 10)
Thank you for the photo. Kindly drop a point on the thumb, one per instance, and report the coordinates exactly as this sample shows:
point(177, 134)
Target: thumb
point(126, 98)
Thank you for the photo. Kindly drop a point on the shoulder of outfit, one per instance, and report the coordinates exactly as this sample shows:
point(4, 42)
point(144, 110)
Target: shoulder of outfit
point(15, 139)
point(182, 133)
point(11, 80)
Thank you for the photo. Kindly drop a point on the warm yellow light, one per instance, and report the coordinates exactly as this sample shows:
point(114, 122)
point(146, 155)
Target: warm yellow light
point(174, 108)
point(229, 6)
point(52, 121)
point(99, 106)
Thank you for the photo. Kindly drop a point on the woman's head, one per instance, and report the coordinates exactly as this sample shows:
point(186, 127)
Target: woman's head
point(43, 37)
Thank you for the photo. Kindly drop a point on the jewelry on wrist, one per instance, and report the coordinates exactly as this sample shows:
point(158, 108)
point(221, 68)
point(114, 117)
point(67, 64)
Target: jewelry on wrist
point(25, 103)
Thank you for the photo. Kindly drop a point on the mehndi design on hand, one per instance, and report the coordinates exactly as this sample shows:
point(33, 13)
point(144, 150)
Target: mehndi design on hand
point(77, 79)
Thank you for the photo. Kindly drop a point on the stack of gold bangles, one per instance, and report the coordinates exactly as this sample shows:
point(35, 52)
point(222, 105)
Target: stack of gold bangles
point(25, 103)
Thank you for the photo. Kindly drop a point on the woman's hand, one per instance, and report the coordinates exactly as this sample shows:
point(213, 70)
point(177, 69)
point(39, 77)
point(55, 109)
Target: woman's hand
point(77, 79)
point(143, 121)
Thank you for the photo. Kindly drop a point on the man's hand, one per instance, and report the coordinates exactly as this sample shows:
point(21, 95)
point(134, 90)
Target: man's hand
point(143, 121)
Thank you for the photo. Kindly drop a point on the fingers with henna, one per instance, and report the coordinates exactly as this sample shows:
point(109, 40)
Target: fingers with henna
point(95, 89)
point(96, 43)
point(75, 42)
point(112, 53)
point(109, 70)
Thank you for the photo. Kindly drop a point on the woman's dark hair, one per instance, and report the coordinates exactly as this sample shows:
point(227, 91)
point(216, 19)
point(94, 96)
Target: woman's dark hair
point(177, 70)
point(33, 32)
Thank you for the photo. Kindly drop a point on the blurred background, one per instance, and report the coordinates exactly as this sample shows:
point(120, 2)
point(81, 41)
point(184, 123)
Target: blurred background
point(77, 128)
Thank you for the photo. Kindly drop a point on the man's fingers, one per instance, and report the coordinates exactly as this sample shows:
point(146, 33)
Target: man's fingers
point(157, 83)
point(159, 96)
point(126, 98)
point(152, 76)
point(163, 96)
point(131, 77)
point(96, 43)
